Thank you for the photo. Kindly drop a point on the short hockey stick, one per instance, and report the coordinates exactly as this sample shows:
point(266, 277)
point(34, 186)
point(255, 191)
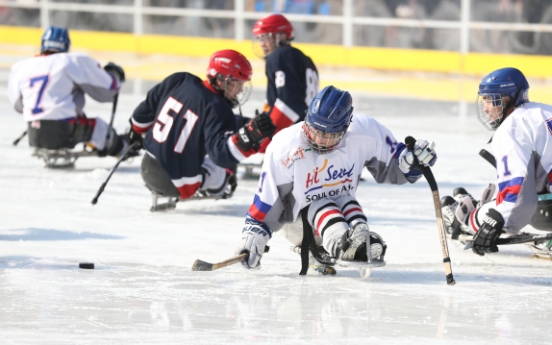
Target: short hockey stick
point(113, 109)
point(522, 238)
point(200, 265)
point(488, 157)
point(410, 141)
point(102, 187)
point(16, 141)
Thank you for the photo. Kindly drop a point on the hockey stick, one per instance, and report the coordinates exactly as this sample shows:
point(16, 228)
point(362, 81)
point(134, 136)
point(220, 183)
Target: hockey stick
point(102, 187)
point(16, 141)
point(113, 109)
point(520, 239)
point(200, 265)
point(488, 157)
point(410, 141)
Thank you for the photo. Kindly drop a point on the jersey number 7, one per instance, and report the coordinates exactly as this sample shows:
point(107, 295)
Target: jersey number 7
point(165, 121)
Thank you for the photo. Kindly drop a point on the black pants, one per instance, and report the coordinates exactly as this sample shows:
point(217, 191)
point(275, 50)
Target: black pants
point(53, 135)
point(156, 178)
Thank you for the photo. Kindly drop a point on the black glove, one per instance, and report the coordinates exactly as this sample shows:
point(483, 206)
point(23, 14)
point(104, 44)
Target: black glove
point(133, 137)
point(485, 239)
point(250, 136)
point(115, 69)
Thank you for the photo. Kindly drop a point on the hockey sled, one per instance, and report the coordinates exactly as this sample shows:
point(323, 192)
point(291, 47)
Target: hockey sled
point(162, 202)
point(251, 165)
point(61, 158)
point(539, 244)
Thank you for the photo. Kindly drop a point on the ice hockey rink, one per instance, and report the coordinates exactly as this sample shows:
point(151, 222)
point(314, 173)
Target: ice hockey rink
point(142, 290)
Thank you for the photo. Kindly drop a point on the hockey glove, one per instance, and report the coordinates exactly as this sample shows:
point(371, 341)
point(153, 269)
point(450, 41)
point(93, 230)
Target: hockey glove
point(485, 239)
point(250, 136)
point(134, 137)
point(116, 70)
point(253, 242)
point(423, 153)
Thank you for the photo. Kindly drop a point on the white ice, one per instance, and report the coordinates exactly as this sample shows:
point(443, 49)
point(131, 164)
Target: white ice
point(144, 292)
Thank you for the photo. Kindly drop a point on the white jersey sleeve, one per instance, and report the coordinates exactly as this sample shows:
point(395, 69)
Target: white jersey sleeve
point(522, 146)
point(293, 175)
point(52, 87)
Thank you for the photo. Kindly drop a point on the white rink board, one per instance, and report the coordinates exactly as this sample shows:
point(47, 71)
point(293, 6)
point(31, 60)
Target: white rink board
point(143, 291)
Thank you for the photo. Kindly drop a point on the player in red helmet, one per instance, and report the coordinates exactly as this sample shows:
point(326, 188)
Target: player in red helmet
point(191, 135)
point(292, 76)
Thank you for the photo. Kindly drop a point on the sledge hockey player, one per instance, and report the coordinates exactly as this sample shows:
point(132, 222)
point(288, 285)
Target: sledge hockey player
point(49, 90)
point(314, 168)
point(522, 146)
point(292, 76)
point(191, 134)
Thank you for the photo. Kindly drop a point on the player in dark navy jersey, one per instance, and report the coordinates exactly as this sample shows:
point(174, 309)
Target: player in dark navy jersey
point(190, 129)
point(292, 76)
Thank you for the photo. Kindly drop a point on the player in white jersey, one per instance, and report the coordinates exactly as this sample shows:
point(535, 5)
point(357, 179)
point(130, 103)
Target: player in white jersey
point(317, 164)
point(49, 90)
point(522, 146)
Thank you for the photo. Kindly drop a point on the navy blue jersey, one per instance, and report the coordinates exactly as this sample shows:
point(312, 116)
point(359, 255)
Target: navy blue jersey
point(184, 119)
point(292, 84)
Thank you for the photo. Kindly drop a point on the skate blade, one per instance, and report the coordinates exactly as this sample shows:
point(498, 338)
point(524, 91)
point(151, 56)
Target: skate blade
point(360, 264)
point(365, 272)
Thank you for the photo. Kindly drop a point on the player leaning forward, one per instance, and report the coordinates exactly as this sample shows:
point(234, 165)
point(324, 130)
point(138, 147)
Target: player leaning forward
point(317, 164)
point(522, 145)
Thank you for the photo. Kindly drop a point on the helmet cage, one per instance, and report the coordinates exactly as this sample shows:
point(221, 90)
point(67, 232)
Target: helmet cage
point(490, 108)
point(229, 89)
point(322, 142)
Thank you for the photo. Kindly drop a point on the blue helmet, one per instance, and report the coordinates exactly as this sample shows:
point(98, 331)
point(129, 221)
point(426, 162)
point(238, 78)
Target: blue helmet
point(55, 39)
point(328, 117)
point(493, 88)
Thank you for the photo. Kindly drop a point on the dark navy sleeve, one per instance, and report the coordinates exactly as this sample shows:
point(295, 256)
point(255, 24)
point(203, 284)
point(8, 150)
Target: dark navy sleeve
point(220, 124)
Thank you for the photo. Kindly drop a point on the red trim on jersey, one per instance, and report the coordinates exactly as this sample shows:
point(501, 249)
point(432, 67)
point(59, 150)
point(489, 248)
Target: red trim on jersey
point(208, 85)
point(256, 213)
point(550, 177)
point(245, 153)
point(356, 209)
point(508, 190)
point(322, 217)
point(141, 130)
point(82, 120)
point(279, 119)
point(113, 82)
point(188, 190)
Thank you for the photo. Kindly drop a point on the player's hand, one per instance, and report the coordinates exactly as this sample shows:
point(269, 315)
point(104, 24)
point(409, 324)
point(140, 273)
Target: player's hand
point(423, 153)
point(134, 137)
point(484, 241)
point(253, 242)
point(250, 136)
point(116, 70)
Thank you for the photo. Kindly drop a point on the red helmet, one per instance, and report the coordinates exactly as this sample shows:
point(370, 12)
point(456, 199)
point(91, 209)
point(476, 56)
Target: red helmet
point(274, 23)
point(229, 63)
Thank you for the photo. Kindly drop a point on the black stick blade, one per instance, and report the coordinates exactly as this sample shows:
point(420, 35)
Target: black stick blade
point(450, 279)
point(200, 265)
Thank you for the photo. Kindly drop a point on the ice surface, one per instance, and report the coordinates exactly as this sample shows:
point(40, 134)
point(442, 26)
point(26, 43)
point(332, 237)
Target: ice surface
point(144, 292)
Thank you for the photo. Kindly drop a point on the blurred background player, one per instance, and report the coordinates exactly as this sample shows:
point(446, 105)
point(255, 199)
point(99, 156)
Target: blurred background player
point(49, 90)
point(190, 129)
point(317, 164)
point(522, 146)
point(292, 76)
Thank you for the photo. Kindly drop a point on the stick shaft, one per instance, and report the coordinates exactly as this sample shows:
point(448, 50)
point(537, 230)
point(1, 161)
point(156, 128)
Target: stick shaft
point(16, 141)
point(200, 265)
point(102, 187)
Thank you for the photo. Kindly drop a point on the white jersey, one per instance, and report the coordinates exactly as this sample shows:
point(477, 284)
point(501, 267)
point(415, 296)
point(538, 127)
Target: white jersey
point(522, 146)
point(293, 175)
point(52, 87)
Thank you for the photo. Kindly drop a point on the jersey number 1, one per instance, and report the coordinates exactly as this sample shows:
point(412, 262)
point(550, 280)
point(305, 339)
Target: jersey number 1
point(164, 123)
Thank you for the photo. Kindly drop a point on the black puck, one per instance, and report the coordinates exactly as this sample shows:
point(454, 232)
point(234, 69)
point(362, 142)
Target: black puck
point(87, 265)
